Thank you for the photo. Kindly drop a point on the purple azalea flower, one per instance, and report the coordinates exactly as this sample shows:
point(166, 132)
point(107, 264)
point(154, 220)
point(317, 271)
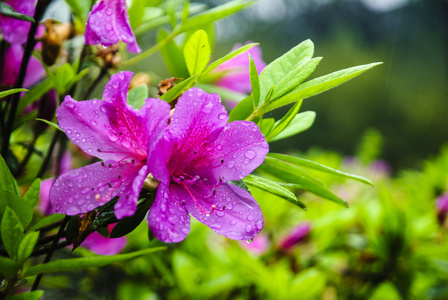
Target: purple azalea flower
point(202, 153)
point(125, 138)
point(236, 76)
point(16, 31)
point(13, 58)
point(295, 236)
point(108, 22)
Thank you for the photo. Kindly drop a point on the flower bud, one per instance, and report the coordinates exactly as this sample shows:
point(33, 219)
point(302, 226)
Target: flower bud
point(52, 40)
point(294, 237)
point(442, 208)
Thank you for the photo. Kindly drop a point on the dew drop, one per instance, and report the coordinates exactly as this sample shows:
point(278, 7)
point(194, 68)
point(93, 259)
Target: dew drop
point(222, 116)
point(233, 222)
point(185, 230)
point(113, 137)
point(231, 164)
point(81, 202)
point(70, 104)
point(207, 108)
point(229, 206)
point(246, 161)
point(248, 228)
point(250, 217)
point(103, 108)
point(250, 154)
point(250, 241)
point(69, 131)
point(126, 144)
point(219, 147)
point(163, 207)
point(85, 191)
point(93, 122)
point(72, 210)
point(220, 213)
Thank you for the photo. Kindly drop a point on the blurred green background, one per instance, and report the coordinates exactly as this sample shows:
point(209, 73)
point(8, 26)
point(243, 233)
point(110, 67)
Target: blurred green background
point(405, 99)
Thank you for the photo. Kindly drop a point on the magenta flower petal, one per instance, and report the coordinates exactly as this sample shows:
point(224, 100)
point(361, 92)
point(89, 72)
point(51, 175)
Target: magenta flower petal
point(84, 189)
point(13, 58)
point(119, 134)
point(227, 209)
point(107, 23)
point(237, 76)
point(104, 246)
point(16, 31)
point(295, 236)
point(197, 161)
point(168, 219)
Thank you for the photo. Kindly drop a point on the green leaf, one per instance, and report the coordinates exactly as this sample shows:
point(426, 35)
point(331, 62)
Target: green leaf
point(269, 94)
point(26, 246)
point(12, 232)
point(227, 57)
point(7, 181)
point(128, 224)
point(62, 77)
point(21, 208)
point(73, 264)
point(241, 184)
point(273, 188)
point(242, 110)
point(297, 178)
point(136, 13)
point(299, 123)
point(319, 85)
point(80, 9)
point(32, 194)
point(172, 56)
point(8, 267)
point(34, 94)
point(266, 125)
point(50, 123)
point(280, 125)
point(197, 52)
point(34, 295)
point(254, 81)
point(282, 66)
point(212, 15)
point(11, 91)
point(295, 77)
point(48, 220)
point(316, 166)
point(7, 10)
point(138, 95)
point(175, 91)
point(185, 12)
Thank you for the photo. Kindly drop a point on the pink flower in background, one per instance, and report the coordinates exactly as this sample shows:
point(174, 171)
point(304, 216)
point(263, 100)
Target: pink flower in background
point(13, 58)
point(108, 22)
point(16, 31)
point(122, 136)
point(236, 76)
point(294, 237)
point(442, 208)
point(258, 246)
point(202, 153)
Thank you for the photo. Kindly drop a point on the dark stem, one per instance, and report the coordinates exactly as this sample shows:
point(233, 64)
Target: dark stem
point(45, 249)
point(46, 162)
point(51, 251)
point(14, 98)
point(30, 152)
point(94, 84)
point(51, 226)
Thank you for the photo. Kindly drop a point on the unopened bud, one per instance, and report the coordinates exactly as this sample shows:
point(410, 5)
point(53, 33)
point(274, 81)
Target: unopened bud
point(109, 56)
point(139, 79)
point(52, 40)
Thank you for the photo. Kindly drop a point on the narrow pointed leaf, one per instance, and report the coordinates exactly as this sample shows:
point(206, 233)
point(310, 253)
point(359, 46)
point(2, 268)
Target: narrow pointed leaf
point(175, 91)
point(273, 188)
point(32, 194)
point(73, 264)
point(282, 66)
point(266, 126)
point(316, 166)
point(172, 56)
point(12, 232)
point(254, 82)
point(34, 295)
point(242, 110)
point(11, 91)
point(7, 181)
point(20, 207)
point(297, 178)
point(9, 267)
point(48, 220)
point(280, 125)
point(319, 85)
point(7, 10)
point(299, 123)
point(26, 246)
point(225, 58)
point(56, 126)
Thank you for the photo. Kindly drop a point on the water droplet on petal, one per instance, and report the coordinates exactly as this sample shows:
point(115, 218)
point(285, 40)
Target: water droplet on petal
point(85, 191)
point(72, 210)
point(70, 104)
point(113, 137)
point(103, 108)
point(231, 164)
point(222, 116)
point(93, 122)
point(250, 154)
point(250, 241)
point(163, 207)
point(207, 108)
point(250, 217)
point(220, 213)
point(185, 230)
point(248, 228)
point(233, 222)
